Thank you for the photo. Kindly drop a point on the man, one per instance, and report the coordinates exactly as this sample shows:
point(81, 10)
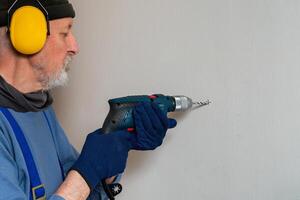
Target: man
point(36, 159)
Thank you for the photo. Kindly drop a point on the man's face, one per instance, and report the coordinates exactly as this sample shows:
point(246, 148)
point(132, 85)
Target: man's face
point(50, 64)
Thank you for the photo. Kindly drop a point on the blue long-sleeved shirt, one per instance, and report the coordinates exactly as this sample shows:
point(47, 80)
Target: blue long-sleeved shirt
point(49, 147)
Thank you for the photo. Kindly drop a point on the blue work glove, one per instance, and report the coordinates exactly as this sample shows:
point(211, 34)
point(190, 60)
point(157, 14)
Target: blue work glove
point(103, 156)
point(151, 125)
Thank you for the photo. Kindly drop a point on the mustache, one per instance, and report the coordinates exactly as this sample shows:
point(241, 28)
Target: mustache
point(67, 61)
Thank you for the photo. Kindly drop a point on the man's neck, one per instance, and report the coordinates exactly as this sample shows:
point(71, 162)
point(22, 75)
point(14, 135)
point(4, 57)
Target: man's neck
point(20, 74)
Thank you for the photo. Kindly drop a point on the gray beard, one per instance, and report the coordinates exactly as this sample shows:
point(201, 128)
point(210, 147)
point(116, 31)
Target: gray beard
point(60, 79)
point(54, 80)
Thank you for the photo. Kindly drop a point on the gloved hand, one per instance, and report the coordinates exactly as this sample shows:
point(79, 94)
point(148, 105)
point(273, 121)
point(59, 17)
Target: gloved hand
point(151, 125)
point(103, 156)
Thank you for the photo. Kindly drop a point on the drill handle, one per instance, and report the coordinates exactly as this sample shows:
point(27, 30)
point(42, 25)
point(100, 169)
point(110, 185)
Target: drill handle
point(119, 117)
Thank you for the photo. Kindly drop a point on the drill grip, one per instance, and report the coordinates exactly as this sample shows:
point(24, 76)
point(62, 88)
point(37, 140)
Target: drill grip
point(119, 117)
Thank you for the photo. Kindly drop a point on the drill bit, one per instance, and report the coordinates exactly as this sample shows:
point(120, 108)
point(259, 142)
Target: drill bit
point(199, 104)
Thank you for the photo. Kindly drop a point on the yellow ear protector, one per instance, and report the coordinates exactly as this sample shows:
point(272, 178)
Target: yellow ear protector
point(28, 26)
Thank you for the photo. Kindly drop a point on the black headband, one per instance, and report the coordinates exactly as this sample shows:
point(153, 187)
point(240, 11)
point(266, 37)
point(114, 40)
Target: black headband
point(56, 9)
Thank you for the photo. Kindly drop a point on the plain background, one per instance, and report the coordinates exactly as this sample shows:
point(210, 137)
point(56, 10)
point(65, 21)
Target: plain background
point(243, 55)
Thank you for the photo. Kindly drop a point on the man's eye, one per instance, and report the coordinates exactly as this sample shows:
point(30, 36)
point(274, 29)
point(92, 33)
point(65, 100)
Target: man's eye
point(64, 34)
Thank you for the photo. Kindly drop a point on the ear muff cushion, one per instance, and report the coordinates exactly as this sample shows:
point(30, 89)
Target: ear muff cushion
point(28, 30)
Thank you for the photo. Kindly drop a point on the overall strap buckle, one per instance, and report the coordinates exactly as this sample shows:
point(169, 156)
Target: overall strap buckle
point(38, 192)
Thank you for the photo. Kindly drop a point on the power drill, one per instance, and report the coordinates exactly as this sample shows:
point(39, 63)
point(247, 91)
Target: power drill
point(120, 117)
point(120, 113)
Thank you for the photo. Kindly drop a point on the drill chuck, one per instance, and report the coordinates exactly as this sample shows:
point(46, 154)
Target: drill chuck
point(182, 103)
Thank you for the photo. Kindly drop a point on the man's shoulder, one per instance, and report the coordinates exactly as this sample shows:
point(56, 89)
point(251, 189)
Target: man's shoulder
point(26, 120)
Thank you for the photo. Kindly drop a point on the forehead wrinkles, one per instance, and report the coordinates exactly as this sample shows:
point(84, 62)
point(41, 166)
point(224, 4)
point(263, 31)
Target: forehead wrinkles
point(61, 24)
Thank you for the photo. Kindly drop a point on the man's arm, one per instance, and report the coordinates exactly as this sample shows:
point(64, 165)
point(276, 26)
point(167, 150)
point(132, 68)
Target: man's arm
point(68, 155)
point(74, 187)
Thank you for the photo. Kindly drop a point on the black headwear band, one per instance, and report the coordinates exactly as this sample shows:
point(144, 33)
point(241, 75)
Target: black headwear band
point(56, 9)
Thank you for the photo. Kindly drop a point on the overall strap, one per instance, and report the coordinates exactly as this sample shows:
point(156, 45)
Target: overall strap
point(37, 190)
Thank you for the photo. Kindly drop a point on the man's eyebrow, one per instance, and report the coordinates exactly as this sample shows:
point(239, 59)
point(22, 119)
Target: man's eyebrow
point(68, 27)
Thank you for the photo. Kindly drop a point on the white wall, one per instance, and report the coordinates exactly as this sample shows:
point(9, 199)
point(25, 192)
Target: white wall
point(243, 55)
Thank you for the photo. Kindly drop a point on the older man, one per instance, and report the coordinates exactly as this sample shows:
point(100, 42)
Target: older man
point(36, 159)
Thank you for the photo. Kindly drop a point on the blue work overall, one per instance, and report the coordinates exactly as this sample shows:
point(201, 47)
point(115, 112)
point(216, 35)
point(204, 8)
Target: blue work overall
point(37, 189)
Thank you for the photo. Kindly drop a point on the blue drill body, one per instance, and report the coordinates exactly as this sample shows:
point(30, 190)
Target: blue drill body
point(120, 113)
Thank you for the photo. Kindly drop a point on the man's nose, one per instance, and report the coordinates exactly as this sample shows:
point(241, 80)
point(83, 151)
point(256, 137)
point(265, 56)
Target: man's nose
point(73, 46)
